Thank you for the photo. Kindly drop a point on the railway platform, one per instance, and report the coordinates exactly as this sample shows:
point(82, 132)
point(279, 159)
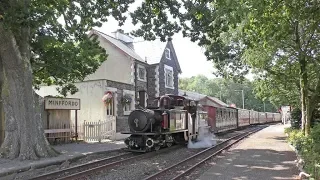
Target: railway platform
point(69, 152)
point(264, 155)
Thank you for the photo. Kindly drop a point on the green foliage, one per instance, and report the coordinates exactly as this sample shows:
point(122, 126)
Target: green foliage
point(226, 89)
point(308, 147)
point(296, 118)
point(61, 51)
point(315, 119)
point(277, 40)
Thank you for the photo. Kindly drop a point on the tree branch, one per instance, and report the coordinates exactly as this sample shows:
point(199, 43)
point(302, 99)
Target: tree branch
point(9, 50)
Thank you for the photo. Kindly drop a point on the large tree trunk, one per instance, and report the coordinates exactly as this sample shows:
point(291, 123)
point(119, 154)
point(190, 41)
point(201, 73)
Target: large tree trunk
point(1, 107)
point(303, 97)
point(309, 110)
point(24, 134)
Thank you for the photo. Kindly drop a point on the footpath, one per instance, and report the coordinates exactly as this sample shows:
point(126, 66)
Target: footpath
point(69, 152)
point(264, 155)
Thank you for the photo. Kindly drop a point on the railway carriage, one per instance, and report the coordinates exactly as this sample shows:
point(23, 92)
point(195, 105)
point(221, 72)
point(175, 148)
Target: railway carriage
point(243, 117)
point(254, 117)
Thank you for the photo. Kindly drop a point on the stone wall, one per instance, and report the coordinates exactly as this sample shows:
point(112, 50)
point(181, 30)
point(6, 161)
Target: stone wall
point(153, 85)
point(163, 90)
point(122, 124)
point(141, 85)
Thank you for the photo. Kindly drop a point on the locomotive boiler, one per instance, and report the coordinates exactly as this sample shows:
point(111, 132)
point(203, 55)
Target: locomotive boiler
point(173, 121)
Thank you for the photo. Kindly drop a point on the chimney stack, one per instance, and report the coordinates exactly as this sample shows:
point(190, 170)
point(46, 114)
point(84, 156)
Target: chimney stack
point(124, 38)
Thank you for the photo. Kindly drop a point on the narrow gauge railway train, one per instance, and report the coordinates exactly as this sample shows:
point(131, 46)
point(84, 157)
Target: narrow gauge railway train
point(178, 119)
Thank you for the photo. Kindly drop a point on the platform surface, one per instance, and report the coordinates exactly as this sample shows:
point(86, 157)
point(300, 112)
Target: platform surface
point(265, 155)
point(68, 152)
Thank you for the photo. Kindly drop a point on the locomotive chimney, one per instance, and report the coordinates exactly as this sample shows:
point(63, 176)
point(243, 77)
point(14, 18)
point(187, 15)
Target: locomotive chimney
point(142, 98)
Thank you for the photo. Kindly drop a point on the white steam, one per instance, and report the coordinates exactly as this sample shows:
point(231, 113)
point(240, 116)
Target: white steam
point(205, 139)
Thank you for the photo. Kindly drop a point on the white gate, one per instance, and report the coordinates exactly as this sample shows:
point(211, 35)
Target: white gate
point(101, 130)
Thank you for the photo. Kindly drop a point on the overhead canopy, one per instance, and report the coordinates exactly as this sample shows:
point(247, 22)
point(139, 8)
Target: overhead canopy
point(202, 97)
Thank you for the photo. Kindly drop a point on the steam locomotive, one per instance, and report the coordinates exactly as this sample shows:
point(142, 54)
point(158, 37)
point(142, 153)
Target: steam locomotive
point(176, 120)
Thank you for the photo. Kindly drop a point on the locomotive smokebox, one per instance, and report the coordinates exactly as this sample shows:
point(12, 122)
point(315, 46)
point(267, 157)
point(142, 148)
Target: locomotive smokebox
point(141, 120)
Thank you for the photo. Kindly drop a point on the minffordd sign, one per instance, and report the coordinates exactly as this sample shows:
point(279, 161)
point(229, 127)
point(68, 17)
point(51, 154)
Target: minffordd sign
point(62, 103)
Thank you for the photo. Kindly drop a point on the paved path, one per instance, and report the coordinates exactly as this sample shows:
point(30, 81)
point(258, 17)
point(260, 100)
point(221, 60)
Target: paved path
point(265, 155)
point(68, 152)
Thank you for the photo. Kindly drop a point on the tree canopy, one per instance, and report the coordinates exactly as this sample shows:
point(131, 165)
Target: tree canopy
point(227, 91)
point(278, 40)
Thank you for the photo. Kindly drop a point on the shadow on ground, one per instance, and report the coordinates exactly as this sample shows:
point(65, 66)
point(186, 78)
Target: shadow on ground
point(254, 164)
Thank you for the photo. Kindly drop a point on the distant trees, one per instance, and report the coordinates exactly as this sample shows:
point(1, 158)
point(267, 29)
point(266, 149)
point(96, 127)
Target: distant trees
point(225, 90)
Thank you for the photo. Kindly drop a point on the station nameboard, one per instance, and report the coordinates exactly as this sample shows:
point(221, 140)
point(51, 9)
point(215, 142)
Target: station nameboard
point(62, 103)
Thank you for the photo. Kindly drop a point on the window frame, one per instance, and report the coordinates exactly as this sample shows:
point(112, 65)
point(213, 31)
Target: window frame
point(166, 70)
point(167, 53)
point(138, 73)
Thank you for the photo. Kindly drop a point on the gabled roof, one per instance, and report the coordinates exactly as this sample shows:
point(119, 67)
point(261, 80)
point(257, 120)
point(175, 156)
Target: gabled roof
point(197, 96)
point(175, 56)
point(192, 95)
point(129, 51)
point(152, 51)
point(216, 100)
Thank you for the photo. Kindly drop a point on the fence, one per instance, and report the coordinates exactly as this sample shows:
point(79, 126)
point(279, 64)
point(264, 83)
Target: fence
point(98, 131)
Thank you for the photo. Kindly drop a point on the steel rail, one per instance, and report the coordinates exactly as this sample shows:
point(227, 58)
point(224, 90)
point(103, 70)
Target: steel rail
point(214, 154)
point(56, 174)
point(96, 166)
point(242, 135)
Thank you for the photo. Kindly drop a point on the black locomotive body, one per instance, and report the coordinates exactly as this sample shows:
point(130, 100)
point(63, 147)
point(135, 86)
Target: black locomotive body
point(173, 121)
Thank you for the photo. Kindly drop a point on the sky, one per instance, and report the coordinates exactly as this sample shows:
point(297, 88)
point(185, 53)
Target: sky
point(190, 56)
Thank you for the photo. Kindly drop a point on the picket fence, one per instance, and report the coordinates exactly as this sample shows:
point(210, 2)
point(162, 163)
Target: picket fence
point(100, 130)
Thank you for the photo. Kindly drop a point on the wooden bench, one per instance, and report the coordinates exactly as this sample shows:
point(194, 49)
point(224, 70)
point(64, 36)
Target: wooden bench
point(57, 136)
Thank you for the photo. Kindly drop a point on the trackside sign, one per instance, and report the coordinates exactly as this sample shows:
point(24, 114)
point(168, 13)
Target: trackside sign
point(62, 103)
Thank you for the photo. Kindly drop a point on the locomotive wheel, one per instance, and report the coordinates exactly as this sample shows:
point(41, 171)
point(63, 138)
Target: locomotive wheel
point(169, 144)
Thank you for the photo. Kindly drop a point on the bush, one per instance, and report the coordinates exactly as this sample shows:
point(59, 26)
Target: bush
point(307, 147)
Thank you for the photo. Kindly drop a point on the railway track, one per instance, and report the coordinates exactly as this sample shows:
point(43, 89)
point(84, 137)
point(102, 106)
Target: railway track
point(86, 169)
point(184, 167)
